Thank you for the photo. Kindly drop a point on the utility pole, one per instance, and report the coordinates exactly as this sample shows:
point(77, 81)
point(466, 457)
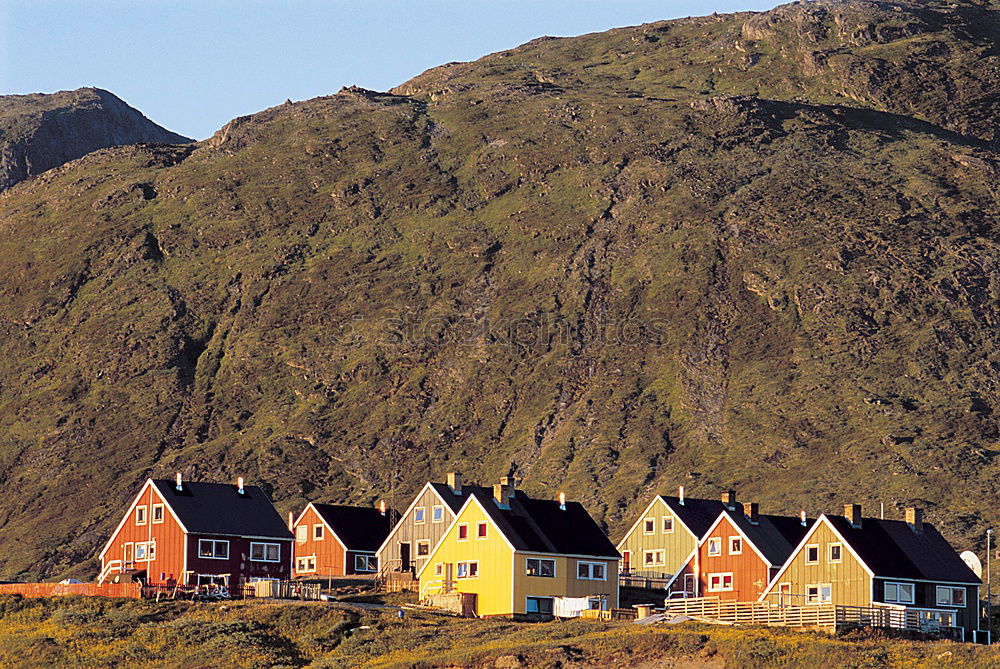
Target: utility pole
point(989, 593)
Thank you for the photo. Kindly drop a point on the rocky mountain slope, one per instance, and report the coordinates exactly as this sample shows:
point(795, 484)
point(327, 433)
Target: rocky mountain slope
point(751, 250)
point(39, 132)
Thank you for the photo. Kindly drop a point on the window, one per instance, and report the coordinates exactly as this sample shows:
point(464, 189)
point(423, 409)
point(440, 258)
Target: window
point(261, 552)
point(157, 513)
point(715, 546)
point(468, 569)
point(480, 530)
point(819, 593)
point(439, 569)
point(899, 593)
point(463, 531)
point(423, 548)
point(540, 567)
point(735, 545)
point(948, 596)
point(365, 563)
point(541, 605)
point(140, 515)
point(437, 514)
point(213, 548)
point(590, 571)
point(302, 533)
point(649, 526)
point(145, 550)
point(668, 524)
point(720, 582)
point(418, 516)
point(812, 554)
point(304, 564)
point(318, 532)
point(653, 558)
point(833, 552)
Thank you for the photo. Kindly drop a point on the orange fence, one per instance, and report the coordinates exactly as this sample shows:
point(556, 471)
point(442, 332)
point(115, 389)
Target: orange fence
point(130, 590)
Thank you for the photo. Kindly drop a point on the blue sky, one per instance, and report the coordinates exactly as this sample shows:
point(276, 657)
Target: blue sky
point(192, 66)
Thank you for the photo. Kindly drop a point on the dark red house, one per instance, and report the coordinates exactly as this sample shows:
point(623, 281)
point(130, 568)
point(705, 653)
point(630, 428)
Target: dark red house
point(198, 533)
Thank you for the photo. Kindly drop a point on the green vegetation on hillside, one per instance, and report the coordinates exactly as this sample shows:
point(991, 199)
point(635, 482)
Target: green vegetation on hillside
point(754, 251)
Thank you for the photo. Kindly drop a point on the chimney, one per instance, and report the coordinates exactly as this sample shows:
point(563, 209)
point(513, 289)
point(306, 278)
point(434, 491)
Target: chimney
point(291, 521)
point(180, 485)
point(915, 519)
point(729, 499)
point(381, 506)
point(455, 482)
point(503, 492)
point(680, 495)
point(750, 510)
point(239, 485)
point(562, 501)
point(853, 514)
point(802, 517)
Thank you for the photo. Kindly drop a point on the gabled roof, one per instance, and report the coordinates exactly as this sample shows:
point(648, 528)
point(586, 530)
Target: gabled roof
point(541, 526)
point(359, 528)
point(890, 548)
point(453, 500)
point(219, 508)
point(774, 537)
point(697, 514)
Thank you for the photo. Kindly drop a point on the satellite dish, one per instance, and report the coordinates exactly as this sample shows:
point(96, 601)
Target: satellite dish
point(970, 558)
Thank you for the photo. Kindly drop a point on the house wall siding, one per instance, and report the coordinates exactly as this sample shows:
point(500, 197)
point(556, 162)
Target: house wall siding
point(328, 551)
point(677, 545)
point(750, 573)
point(238, 567)
point(168, 535)
point(565, 583)
point(406, 530)
point(850, 583)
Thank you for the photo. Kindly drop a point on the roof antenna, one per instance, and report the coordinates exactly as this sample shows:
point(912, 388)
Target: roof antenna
point(180, 485)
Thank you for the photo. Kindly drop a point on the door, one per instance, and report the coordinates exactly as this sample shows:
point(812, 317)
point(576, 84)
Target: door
point(689, 585)
point(404, 556)
point(449, 575)
point(784, 594)
point(128, 554)
point(626, 561)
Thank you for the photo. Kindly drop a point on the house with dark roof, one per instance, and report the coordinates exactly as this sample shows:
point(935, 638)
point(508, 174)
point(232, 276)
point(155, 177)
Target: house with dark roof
point(665, 535)
point(334, 540)
point(192, 533)
point(904, 565)
point(406, 548)
point(513, 555)
point(740, 553)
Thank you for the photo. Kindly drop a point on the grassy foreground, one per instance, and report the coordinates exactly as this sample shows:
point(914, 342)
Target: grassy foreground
point(92, 632)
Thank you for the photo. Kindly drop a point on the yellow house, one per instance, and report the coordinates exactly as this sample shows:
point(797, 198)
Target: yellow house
point(523, 557)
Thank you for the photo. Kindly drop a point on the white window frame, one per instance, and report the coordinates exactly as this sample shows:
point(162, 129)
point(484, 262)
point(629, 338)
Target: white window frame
point(659, 557)
point(363, 564)
point(305, 563)
point(437, 514)
point(485, 527)
point(539, 562)
point(950, 589)
point(426, 545)
point(666, 521)
point(820, 597)
point(471, 570)
point(420, 515)
point(265, 546)
point(148, 549)
point(721, 576)
point(302, 534)
point(829, 552)
point(458, 532)
point(141, 514)
point(214, 543)
point(591, 568)
point(163, 514)
point(439, 569)
point(319, 533)
point(806, 555)
point(649, 526)
point(737, 540)
point(715, 547)
point(896, 587)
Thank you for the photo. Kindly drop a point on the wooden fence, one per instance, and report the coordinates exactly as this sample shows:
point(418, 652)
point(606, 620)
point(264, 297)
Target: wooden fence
point(713, 609)
point(610, 614)
point(282, 590)
point(129, 590)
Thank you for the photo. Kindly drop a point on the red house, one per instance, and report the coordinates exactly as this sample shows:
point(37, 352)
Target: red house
point(739, 554)
point(335, 540)
point(197, 533)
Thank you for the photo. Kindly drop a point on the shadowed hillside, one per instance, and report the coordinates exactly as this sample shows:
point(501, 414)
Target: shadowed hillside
point(752, 250)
